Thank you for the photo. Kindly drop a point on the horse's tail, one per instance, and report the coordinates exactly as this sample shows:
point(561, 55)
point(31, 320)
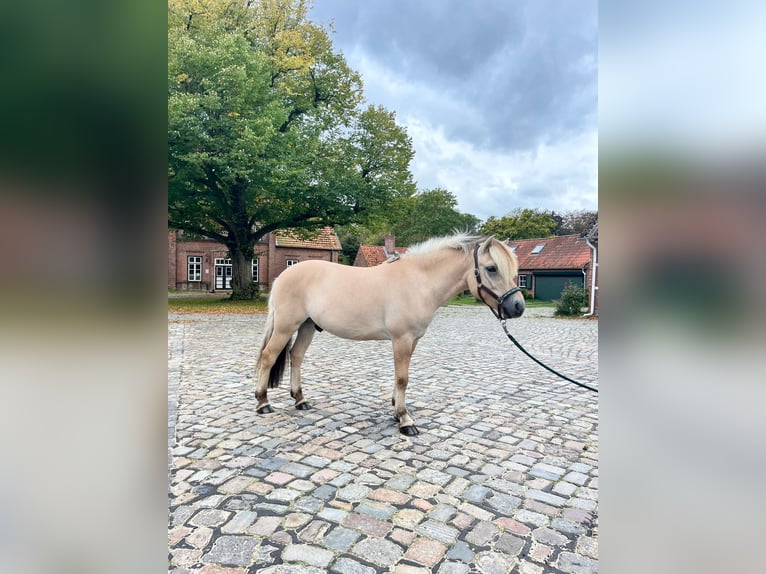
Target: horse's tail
point(278, 368)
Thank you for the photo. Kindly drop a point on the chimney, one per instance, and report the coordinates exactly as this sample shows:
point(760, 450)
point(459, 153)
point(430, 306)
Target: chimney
point(389, 245)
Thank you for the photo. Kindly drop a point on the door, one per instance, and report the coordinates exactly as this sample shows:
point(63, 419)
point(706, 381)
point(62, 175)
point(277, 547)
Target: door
point(549, 287)
point(223, 273)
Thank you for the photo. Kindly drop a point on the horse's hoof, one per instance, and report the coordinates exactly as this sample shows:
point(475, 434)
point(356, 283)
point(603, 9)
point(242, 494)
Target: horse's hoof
point(264, 410)
point(410, 430)
point(303, 406)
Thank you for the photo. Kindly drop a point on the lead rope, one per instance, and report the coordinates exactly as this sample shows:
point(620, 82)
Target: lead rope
point(523, 350)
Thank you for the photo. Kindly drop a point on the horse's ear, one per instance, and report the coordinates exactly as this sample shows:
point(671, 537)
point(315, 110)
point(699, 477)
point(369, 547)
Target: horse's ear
point(485, 245)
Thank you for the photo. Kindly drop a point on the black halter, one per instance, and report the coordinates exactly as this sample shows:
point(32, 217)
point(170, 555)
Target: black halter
point(479, 288)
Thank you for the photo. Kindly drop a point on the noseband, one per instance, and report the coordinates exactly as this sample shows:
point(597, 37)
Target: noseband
point(480, 287)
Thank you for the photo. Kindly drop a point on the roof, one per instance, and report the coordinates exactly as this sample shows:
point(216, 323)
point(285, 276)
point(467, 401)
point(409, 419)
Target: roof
point(376, 254)
point(327, 239)
point(561, 252)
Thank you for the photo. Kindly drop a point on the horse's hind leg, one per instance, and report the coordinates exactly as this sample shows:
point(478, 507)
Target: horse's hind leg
point(298, 351)
point(273, 355)
point(403, 348)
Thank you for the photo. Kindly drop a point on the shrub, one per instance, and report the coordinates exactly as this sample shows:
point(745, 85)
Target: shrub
point(251, 291)
point(573, 299)
point(526, 294)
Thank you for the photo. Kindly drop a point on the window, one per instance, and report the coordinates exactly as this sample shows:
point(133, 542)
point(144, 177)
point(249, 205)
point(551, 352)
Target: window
point(291, 262)
point(226, 261)
point(538, 249)
point(255, 271)
point(513, 248)
point(523, 281)
point(194, 271)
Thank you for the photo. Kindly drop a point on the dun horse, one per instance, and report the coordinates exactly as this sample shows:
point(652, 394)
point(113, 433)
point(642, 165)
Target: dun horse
point(396, 301)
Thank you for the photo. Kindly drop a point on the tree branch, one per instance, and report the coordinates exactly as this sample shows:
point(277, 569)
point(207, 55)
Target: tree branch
point(196, 229)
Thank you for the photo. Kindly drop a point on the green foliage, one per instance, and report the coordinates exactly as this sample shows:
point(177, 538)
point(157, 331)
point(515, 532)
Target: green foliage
point(429, 213)
point(265, 127)
point(573, 299)
point(410, 218)
point(521, 224)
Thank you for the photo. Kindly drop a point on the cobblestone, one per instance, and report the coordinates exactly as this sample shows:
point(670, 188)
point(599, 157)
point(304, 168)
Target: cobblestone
point(232, 551)
point(378, 551)
point(312, 555)
point(503, 476)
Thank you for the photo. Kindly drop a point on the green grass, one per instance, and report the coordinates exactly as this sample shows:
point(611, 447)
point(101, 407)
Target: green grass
point(215, 305)
point(463, 299)
point(467, 299)
point(534, 303)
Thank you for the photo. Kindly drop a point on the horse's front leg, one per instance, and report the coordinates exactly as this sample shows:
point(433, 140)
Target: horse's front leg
point(403, 348)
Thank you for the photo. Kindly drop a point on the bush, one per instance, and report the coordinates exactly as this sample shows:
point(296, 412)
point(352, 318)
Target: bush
point(526, 294)
point(249, 293)
point(573, 299)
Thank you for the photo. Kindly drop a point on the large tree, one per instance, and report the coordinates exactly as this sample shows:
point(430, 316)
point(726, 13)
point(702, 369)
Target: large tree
point(521, 224)
point(267, 129)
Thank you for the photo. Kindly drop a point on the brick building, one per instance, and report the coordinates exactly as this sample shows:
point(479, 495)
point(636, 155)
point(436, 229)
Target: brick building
point(549, 264)
point(205, 265)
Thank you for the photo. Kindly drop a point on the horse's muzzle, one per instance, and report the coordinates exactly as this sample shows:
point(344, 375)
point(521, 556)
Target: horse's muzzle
point(513, 307)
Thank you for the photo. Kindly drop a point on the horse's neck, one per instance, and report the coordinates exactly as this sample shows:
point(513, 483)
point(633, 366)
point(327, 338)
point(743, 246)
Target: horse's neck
point(447, 271)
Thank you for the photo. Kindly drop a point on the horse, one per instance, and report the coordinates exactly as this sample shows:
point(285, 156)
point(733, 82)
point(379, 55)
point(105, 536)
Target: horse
point(395, 300)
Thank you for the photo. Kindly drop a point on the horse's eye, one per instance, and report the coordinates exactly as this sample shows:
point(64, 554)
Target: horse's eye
point(491, 269)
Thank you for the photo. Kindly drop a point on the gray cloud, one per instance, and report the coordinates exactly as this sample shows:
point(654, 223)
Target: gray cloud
point(529, 69)
point(498, 76)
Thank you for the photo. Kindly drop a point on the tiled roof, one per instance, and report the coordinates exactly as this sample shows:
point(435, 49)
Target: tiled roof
point(562, 252)
point(376, 254)
point(327, 239)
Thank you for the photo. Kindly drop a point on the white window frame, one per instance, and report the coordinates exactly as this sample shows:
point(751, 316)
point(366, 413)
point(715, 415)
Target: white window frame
point(255, 270)
point(194, 268)
point(224, 280)
point(291, 262)
point(523, 281)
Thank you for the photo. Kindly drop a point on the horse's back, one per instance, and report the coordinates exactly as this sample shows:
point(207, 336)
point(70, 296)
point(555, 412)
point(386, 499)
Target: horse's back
point(344, 300)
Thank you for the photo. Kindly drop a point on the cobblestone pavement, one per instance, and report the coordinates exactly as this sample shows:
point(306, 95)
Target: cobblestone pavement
point(502, 478)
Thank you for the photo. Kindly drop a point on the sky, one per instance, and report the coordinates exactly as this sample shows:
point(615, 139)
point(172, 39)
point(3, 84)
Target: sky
point(499, 97)
point(683, 73)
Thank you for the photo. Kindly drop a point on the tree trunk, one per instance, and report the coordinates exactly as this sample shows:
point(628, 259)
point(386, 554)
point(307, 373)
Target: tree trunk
point(242, 286)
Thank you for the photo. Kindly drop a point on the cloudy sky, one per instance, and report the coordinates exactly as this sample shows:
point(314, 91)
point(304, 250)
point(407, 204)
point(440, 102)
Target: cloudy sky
point(498, 96)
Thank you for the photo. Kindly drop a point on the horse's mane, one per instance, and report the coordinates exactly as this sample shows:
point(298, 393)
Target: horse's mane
point(462, 241)
point(498, 250)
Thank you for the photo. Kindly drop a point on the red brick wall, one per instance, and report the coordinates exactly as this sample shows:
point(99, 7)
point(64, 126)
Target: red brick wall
point(271, 260)
point(282, 254)
point(209, 250)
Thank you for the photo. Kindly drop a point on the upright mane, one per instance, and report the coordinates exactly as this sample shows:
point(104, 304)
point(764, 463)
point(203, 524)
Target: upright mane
point(462, 241)
point(498, 250)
